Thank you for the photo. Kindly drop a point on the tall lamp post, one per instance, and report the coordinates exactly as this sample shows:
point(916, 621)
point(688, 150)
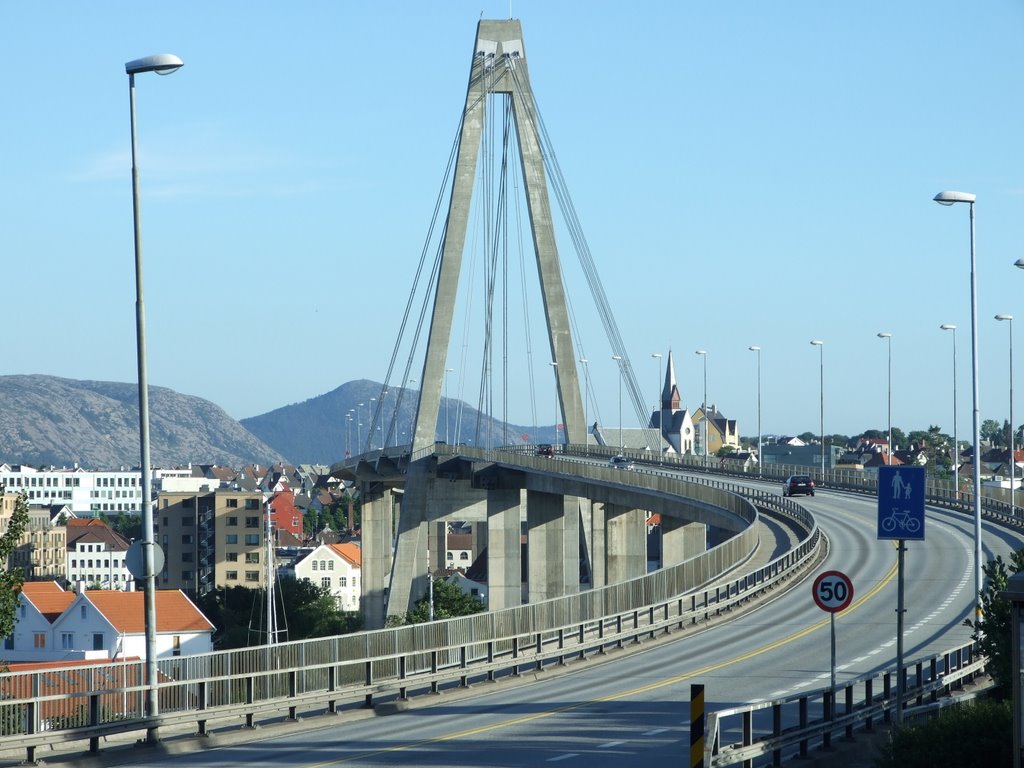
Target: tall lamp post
point(657, 402)
point(704, 356)
point(757, 349)
point(618, 360)
point(956, 445)
point(586, 404)
point(821, 399)
point(554, 370)
point(950, 198)
point(888, 343)
point(162, 64)
point(447, 403)
point(359, 423)
point(1013, 457)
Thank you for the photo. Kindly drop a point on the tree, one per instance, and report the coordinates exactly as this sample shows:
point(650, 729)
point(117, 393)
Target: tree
point(977, 733)
point(991, 431)
point(808, 437)
point(11, 579)
point(992, 631)
point(449, 602)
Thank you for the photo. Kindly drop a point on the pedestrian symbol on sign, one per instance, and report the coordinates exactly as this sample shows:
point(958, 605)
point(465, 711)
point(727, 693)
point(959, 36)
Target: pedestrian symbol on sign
point(901, 502)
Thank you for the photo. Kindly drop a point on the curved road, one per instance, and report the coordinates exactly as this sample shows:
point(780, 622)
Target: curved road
point(637, 708)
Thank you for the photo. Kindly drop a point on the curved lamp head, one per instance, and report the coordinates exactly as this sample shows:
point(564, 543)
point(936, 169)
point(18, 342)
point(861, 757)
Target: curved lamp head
point(754, 348)
point(948, 198)
point(884, 335)
point(1004, 317)
point(161, 63)
point(817, 343)
point(1019, 263)
point(948, 327)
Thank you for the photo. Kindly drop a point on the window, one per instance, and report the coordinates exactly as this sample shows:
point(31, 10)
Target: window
point(186, 575)
point(252, 539)
point(252, 522)
point(464, 556)
point(231, 538)
point(330, 565)
point(186, 539)
point(176, 645)
point(342, 581)
point(316, 565)
point(325, 582)
point(186, 557)
point(232, 557)
point(252, 557)
point(97, 641)
point(9, 643)
point(67, 640)
point(233, 520)
point(450, 556)
point(252, 575)
point(82, 607)
point(233, 503)
point(252, 504)
point(232, 576)
point(38, 639)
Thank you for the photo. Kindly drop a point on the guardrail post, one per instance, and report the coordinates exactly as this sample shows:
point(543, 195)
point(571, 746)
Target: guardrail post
point(94, 719)
point(202, 702)
point(293, 692)
point(776, 732)
point(618, 630)
point(945, 669)
point(803, 725)
point(650, 621)
point(849, 710)
point(401, 677)
point(561, 646)
point(332, 686)
point(583, 640)
point(490, 661)
point(887, 695)
point(463, 665)
point(828, 707)
point(919, 671)
point(368, 680)
point(515, 657)
point(869, 700)
point(433, 671)
point(748, 734)
point(934, 671)
point(539, 650)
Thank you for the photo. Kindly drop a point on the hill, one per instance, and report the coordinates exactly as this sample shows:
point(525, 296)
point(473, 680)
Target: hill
point(49, 420)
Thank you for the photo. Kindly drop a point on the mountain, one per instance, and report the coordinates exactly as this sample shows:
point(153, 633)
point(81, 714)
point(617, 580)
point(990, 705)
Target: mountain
point(316, 430)
point(49, 420)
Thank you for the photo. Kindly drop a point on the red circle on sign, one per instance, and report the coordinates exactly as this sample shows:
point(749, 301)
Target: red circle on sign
point(832, 591)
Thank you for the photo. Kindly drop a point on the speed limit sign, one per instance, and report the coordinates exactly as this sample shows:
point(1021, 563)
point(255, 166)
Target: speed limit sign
point(833, 591)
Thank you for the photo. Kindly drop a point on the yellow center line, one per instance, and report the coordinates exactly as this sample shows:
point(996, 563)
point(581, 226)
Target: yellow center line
point(622, 694)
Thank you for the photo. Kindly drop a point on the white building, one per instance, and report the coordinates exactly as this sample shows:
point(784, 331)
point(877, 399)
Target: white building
point(335, 567)
point(57, 625)
point(96, 555)
point(86, 493)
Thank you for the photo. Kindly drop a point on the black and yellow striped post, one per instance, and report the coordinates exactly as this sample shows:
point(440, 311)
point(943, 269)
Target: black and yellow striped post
point(696, 726)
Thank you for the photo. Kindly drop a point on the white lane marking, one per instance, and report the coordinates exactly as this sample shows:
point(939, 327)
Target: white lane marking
point(655, 732)
point(563, 757)
point(610, 744)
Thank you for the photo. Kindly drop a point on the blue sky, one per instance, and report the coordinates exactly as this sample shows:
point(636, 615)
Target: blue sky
point(745, 173)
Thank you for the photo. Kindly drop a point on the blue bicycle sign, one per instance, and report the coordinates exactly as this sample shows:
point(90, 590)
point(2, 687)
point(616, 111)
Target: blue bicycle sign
point(902, 520)
point(901, 502)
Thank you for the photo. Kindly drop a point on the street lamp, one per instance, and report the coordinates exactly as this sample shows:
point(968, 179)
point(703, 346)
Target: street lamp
point(162, 64)
point(657, 402)
point(586, 404)
point(359, 423)
point(348, 434)
point(949, 198)
point(888, 341)
point(757, 349)
point(369, 430)
point(554, 370)
point(821, 404)
point(447, 402)
point(1013, 457)
point(618, 359)
point(704, 355)
point(956, 446)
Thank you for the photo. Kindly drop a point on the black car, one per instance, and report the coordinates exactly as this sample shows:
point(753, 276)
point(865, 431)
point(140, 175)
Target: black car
point(798, 484)
point(545, 449)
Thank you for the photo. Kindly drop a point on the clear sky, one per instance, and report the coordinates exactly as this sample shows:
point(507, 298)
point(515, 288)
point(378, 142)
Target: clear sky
point(744, 172)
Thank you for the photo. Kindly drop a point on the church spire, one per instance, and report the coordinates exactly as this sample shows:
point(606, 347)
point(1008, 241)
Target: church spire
point(670, 393)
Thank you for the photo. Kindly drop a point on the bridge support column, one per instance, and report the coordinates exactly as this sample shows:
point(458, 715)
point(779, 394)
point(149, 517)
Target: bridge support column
point(681, 540)
point(553, 541)
point(377, 525)
point(504, 549)
point(625, 542)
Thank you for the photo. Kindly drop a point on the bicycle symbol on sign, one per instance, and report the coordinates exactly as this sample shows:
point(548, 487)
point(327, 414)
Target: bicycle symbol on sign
point(901, 519)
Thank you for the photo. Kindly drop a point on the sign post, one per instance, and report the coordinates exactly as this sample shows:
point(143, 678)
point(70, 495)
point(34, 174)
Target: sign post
point(900, 517)
point(833, 592)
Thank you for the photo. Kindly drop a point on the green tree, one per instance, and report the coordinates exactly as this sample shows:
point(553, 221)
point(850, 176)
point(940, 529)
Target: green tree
point(11, 579)
point(808, 437)
point(449, 602)
point(979, 733)
point(992, 631)
point(129, 526)
point(991, 432)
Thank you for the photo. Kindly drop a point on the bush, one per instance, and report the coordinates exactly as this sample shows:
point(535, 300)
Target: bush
point(968, 735)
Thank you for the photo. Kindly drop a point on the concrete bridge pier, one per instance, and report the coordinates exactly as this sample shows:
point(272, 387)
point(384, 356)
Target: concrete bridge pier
point(553, 541)
point(377, 526)
point(504, 549)
point(681, 540)
point(625, 543)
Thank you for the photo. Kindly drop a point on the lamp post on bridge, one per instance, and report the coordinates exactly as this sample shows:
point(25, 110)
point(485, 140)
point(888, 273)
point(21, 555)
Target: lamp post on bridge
point(162, 64)
point(757, 349)
point(956, 445)
point(1013, 458)
point(554, 370)
point(657, 402)
point(704, 355)
point(618, 360)
point(447, 403)
point(888, 338)
point(821, 399)
point(586, 404)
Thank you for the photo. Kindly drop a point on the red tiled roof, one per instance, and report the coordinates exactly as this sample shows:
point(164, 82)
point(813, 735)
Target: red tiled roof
point(48, 598)
point(126, 611)
point(350, 552)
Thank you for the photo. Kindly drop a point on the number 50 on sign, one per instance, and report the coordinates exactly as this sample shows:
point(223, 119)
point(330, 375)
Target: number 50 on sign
point(833, 591)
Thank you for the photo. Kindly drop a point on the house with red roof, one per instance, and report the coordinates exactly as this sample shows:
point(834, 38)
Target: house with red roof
point(335, 567)
point(56, 625)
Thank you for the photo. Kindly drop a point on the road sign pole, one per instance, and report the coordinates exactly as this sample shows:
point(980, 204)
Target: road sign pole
point(901, 681)
point(832, 706)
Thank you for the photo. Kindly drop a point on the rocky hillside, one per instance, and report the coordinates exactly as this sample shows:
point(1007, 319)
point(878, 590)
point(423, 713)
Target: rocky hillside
point(49, 420)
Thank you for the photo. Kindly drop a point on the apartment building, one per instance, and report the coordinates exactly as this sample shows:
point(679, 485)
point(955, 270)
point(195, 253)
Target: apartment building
point(41, 552)
point(211, 539)
point(86, 493)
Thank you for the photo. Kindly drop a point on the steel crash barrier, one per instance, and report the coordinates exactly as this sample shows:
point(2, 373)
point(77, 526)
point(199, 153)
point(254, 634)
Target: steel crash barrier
point(89, 702)
point(786, 728)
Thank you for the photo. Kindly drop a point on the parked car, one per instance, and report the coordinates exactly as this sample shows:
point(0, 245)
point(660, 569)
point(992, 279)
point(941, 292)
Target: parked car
point(798, 484)
point(620, 462)
point(545, 449)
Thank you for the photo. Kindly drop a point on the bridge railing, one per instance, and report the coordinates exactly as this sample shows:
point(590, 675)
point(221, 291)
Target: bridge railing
point(87, 702)
point(789, 727)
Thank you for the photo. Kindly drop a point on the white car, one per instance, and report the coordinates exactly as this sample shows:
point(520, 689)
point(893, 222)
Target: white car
point(620, 462)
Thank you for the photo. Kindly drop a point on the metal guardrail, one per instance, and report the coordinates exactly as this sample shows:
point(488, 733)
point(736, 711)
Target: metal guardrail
point(786, 728)
point(91, 701)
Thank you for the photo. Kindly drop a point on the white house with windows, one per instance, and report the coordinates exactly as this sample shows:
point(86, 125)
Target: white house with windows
point(337, 568)
point(96, 555)
point(58, 625)
point(86, 492)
